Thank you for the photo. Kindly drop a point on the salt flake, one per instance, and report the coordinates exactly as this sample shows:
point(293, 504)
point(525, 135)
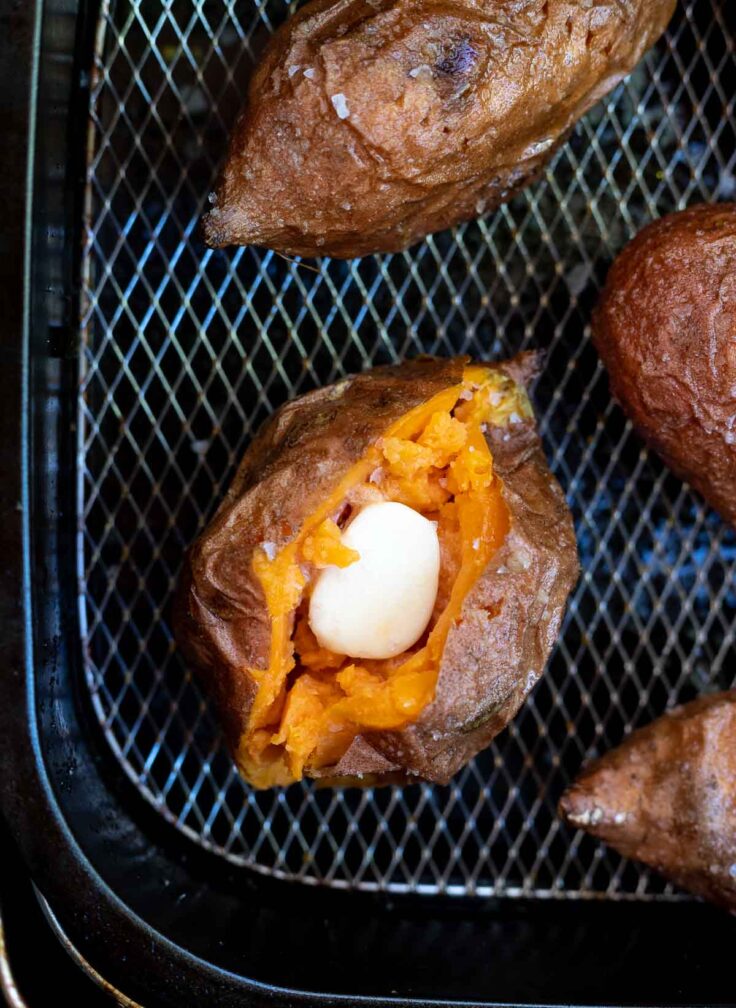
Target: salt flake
point(269, 548)
point(340, 104)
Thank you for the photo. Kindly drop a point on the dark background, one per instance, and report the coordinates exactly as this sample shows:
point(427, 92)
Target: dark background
point(41, 967)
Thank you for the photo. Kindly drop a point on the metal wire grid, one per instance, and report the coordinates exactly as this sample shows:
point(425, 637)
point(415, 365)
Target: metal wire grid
point(184, 351)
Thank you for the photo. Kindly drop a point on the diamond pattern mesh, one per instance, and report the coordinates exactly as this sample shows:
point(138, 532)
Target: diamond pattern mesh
point(185, 351)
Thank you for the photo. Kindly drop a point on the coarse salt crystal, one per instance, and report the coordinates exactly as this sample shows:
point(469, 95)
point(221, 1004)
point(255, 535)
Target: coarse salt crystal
point(515, 418)
point(476, 544)
point(269, 549)
point(340, 104)
point(376, 476)
point(588, 817)
point(294, 68)
point(465, 394)
point(309, 73)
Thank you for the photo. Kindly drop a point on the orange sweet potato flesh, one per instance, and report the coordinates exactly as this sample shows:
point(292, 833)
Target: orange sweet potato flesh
point(411, 433)
point(667, 797)
point(372, 123)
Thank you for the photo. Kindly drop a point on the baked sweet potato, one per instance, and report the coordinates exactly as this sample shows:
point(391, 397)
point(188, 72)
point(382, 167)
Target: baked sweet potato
point(453, 442)
point(372, 123)
point(667, 796)
point(664, 328)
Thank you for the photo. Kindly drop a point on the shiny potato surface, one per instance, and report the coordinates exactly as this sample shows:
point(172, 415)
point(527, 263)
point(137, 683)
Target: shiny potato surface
point(372, 123)
point(664, 328)
point(667, 797)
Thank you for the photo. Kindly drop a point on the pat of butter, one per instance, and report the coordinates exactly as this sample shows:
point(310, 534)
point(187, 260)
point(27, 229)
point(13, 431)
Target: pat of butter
point(381, 604)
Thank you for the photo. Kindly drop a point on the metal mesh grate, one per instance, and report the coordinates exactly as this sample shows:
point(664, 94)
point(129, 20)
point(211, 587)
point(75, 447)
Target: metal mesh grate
point(185, 351)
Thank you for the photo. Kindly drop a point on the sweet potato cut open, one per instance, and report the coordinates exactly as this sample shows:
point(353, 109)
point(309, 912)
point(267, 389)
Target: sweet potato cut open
point(454, 442)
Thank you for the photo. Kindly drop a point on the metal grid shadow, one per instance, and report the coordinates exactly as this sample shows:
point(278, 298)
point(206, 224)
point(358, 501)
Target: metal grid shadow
point(185, 351)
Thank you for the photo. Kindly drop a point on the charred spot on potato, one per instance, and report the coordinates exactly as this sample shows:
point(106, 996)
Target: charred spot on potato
point(482, 718)
point(457, 59)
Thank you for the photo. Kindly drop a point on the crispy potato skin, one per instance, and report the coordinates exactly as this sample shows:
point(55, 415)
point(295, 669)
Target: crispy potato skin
point(509, 621)
point(667, 796)
point(414, 115)
point(664, 330)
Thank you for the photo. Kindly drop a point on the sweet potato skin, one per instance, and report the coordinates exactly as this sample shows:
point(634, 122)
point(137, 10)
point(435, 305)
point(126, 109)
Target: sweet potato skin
point(509, 621)
point(667, 797)
point(372, 123)
point(664, 330)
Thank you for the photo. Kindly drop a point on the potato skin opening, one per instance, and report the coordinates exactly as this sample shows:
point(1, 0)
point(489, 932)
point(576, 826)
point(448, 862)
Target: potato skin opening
point(510, 618)
point(664, 330)
point(369, 125)
point(667, 796)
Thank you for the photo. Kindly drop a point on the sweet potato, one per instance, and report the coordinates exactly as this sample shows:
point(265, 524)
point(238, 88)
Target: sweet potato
point(289, 707)
point(664, 328)
point(372, 123)
point(667, 796)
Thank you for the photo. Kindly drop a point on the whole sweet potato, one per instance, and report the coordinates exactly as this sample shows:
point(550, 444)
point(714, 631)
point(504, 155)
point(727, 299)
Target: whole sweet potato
point(372, 123)
point(292, 709)
point(667, 796)
point(664, 328)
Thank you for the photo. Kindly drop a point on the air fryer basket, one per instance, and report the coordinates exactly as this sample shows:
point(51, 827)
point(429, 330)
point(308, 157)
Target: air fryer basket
point(148, 363)
point(185, 350)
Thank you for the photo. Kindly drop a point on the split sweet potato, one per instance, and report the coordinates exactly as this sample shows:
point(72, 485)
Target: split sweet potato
point(456, 442)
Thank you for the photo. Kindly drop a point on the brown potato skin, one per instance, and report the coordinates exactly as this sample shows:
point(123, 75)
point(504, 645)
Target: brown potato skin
point(667, 797)
point(452, 108)
point(490, 663)
point(664, 329)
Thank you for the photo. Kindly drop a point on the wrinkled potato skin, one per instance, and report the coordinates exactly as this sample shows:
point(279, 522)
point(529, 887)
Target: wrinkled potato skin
point(490, 662)
point(452, 108)
point(672, 788)
point(664, 328)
